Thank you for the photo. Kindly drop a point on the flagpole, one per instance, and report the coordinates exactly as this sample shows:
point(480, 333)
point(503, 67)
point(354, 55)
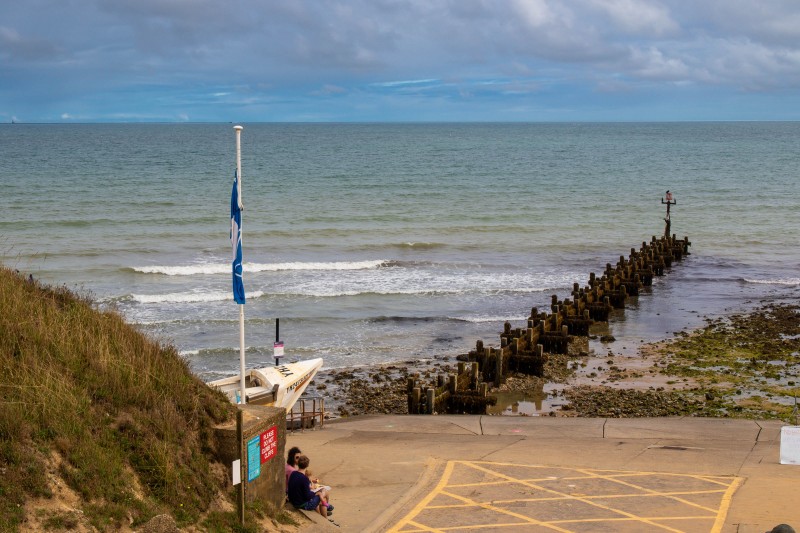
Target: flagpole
point(238, 130)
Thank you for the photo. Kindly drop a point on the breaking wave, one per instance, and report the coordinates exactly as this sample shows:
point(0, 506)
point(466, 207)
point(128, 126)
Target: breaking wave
point(779, 281)
point(189, 297)
point(225, 268)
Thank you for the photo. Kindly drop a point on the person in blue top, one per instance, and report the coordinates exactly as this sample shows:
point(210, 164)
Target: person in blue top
point(300, 493)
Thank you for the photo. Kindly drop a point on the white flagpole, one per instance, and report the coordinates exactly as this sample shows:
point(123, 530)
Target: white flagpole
point(238, 130)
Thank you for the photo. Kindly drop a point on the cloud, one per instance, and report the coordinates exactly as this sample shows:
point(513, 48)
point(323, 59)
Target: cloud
point(636, 17)
point(15, 47)
point(403, 83)
point(210, 60)
point(654, 65)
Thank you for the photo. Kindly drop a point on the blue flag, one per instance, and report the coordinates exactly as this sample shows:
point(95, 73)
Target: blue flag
point(236, 242)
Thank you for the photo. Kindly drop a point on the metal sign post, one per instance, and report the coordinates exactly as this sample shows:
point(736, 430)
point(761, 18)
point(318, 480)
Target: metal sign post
point(277, 348)
point(667, 222)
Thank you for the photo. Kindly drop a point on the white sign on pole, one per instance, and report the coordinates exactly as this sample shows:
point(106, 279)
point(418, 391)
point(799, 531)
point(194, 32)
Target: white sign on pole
point(237, 471)
point(790, 445)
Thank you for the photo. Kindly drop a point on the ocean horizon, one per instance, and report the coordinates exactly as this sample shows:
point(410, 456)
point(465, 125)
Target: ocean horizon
point(383, 242)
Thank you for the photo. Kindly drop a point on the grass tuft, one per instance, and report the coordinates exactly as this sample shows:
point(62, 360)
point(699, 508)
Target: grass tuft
point(111, 403)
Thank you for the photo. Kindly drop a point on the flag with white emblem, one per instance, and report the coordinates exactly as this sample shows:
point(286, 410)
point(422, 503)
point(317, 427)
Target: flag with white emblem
point(236, 241)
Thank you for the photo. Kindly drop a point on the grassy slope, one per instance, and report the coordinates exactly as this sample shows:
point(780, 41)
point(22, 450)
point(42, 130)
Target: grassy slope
point(112, 403)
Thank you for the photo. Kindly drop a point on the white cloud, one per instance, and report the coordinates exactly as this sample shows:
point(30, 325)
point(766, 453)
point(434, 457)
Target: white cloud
point(536, 13)
point(755, 66)
point(640, 17)
point(653, 64)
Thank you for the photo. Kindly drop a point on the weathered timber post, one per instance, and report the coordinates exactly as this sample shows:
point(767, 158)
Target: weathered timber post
point(498, 369)
point(538, 365)
point(415, 395)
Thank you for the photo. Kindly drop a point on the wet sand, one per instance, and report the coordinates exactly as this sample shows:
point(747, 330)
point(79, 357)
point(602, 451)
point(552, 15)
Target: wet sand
point(745, 365)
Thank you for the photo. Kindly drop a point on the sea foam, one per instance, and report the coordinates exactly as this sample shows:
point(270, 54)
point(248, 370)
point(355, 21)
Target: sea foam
point(189, 297)
point(779, 281)
point(225, 268)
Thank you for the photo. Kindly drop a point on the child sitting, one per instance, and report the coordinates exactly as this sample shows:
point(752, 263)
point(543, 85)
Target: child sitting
point(300, 493)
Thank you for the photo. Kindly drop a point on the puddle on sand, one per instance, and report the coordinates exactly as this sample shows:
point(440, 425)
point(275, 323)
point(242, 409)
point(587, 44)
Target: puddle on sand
point(514, 403)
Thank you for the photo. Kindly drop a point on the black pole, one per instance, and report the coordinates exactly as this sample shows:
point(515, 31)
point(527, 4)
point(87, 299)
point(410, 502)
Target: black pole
point(277, 339)
point(667, 220)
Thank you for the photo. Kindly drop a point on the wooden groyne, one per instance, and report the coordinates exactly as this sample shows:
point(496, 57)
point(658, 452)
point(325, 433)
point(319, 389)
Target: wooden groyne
point(526, 349)
point(460, 393)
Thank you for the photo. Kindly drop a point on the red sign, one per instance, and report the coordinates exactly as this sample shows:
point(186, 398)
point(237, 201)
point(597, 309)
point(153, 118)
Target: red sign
point(269, 444)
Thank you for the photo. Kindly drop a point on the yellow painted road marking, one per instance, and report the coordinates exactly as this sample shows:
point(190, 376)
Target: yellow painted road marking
point(577, 498)
point(653, 492)
point(725, 505)
point(426, 517)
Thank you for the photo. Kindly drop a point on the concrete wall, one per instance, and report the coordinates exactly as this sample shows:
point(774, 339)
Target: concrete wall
point(269, 425)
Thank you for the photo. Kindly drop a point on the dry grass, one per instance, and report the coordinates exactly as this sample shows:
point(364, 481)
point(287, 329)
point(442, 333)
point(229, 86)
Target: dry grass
point(111, 402)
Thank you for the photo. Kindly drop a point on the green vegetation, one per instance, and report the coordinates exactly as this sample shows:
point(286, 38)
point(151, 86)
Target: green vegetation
point(745, 365)
point(119, 418)
point(741, 366)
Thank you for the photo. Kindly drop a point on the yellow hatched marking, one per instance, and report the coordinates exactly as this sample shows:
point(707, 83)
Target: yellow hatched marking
point(423, 527)
point(662, 518)
point(586, 496)
point(655, 492)
point(411, 523)
point(448, 469)
point(527, 520)
point(576, 498)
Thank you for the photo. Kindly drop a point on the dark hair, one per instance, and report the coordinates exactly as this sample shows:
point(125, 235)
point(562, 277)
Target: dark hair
point(302, 462)
point(293, 451)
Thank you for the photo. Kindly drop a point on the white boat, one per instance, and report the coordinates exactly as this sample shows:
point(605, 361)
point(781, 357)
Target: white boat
point(276, 386)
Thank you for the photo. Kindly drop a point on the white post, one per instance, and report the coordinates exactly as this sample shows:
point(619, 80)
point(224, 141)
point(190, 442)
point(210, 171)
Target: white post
point(238, 130)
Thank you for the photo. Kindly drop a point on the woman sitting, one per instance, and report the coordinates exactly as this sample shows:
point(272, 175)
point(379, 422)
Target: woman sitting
point(290, 463)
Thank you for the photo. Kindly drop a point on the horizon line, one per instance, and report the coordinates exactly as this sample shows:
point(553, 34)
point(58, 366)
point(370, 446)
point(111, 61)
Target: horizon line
point(356, 122)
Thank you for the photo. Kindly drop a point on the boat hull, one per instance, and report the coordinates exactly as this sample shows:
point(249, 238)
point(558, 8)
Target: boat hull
point(276, 386)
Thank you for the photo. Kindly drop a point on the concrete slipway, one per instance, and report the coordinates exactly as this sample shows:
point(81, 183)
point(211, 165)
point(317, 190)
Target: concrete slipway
point(487, 474)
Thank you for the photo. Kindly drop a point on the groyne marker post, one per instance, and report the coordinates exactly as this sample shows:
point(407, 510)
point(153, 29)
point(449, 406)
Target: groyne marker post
point(669, 201)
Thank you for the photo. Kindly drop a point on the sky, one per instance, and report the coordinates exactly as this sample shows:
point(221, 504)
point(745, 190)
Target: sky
point(70, 61)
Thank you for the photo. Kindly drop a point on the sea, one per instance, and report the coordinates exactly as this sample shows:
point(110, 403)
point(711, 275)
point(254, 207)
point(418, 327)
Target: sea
point(377, 243)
